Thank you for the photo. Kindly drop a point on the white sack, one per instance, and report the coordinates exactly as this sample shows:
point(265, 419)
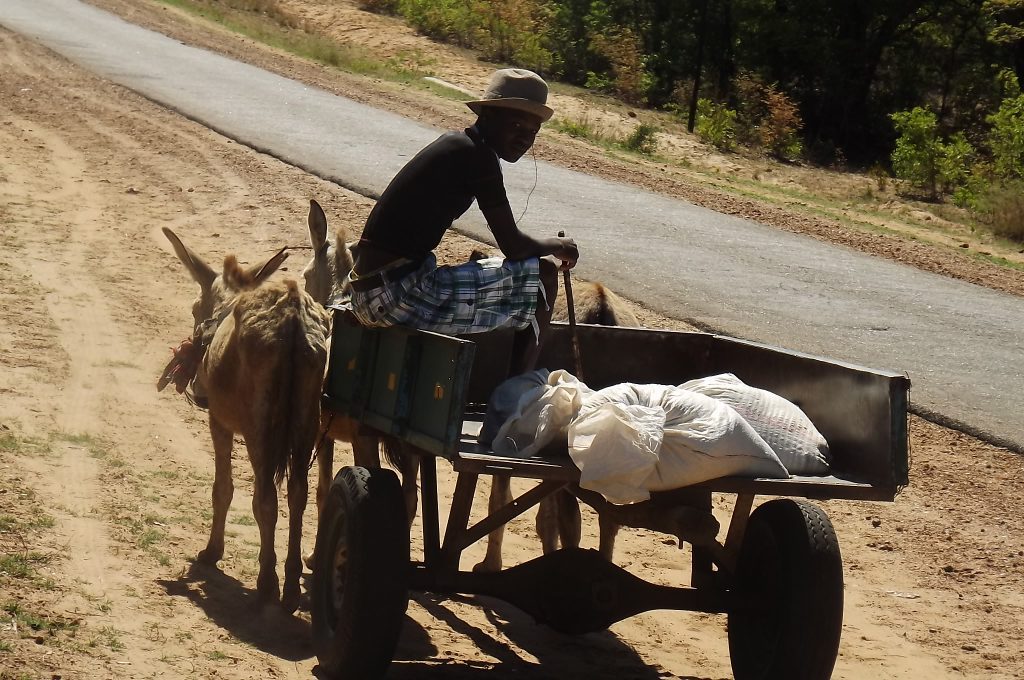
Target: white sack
point(541, 416)
point(616, 447)
point(780, 422)
point(615, 442)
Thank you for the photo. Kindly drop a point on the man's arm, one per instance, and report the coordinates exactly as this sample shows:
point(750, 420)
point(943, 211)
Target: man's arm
point(516, 245)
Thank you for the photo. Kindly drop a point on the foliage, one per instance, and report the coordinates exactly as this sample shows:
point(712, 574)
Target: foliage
point(628, 79)
point(579, 128)
point(509, 32)
point(1006, 138)
point(643, 139)
point(970, 193)
point(716, 124)
point(923, 159)
point(450, 20)
point(506, 31)
point(954, 162)
point(806, 78)
point(767, 118)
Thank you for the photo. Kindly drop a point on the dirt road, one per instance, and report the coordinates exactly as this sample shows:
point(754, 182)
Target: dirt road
point(105, 484)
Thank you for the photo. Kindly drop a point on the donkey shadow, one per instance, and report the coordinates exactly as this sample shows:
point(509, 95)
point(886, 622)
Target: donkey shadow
point(237, 609)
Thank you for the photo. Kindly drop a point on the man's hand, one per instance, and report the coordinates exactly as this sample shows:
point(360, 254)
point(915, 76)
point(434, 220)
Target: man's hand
point(567, 252)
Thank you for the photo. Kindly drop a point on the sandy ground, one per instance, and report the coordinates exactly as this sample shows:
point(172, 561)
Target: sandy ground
point(105, 483)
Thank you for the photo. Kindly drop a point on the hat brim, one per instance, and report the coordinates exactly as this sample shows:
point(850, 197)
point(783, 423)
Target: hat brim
point(527, 105)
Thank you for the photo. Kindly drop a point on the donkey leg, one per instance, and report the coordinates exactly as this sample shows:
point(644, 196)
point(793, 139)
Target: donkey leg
point(223, 491)
point(501, 495)
point(366, 451)
point(570, 524)
point(298, 494)
point(264, 509)
point(410, 470)
point(609, 530)
point(547, 525)
point(325, 466)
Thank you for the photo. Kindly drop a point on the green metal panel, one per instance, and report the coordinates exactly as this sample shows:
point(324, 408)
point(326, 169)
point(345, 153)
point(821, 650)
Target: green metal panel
point(438, 392)
point(403, 382)
point(387, 374)
point(352, 349)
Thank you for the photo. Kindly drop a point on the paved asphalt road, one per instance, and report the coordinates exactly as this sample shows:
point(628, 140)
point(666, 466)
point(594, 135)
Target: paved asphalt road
point(962, 345)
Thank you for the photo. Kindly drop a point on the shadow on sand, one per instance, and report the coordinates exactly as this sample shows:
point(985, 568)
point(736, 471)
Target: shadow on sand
point(555, 656)
point(550, 655)
point(238, 610)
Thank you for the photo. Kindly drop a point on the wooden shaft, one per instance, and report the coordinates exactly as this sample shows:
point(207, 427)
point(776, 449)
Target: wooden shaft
point(577, 355)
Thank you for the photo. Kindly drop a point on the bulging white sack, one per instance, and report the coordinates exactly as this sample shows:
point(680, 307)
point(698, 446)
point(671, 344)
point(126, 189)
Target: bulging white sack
point(629, 440)
point(780, 422)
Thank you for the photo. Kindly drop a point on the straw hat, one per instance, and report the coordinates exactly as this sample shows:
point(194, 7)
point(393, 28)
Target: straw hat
point(516, 88)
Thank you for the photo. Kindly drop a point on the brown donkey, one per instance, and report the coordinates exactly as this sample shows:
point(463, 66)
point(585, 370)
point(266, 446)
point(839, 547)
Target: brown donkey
point(262, 374)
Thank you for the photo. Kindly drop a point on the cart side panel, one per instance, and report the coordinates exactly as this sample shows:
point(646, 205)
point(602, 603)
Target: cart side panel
point(861, 412)
point(438, 393)
point(401, 382)
point(349, 360)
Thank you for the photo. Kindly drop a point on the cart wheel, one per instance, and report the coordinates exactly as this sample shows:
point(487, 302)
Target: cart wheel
point(360, 586)
point(787, 615)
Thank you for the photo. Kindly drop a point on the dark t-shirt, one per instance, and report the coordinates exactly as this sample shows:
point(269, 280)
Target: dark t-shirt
point(434, 189)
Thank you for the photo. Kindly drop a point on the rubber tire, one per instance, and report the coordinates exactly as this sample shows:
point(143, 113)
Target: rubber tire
point(787, 613)
point(360, 585)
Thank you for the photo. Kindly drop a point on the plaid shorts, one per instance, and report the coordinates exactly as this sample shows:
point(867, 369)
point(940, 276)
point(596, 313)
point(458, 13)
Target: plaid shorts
point(467, 298)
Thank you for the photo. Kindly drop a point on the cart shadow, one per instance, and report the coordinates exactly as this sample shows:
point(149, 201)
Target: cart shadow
point(238, 610)
point(597, 656)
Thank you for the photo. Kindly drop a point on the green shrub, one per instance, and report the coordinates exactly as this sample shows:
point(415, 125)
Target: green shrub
point(580, 128)
point(643, 139)
point(716, 124)
point(923, 160)
point(970, 193)
point(450, 20)
point(1006, 139)
point(918, 148)
point(511, 33)
point(599, 82)
point(507, 31)
point(954, 162)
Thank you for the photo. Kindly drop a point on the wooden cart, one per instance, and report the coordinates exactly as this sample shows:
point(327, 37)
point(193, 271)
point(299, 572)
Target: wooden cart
point(776, 573)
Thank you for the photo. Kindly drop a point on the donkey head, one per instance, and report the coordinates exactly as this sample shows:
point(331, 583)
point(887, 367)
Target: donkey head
point(325, 274)
point(218, 290)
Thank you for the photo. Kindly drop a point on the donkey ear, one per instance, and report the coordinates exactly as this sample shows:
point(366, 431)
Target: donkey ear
point(261, 272)
point(200, 271)
point(317, 226)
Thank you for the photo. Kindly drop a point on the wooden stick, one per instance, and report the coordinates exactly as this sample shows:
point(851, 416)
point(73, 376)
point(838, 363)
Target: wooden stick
point(577, 355)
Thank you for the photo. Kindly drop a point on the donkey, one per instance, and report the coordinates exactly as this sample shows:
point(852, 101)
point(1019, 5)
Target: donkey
point(262, 374)
point(325, 277)
point(558, 515)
